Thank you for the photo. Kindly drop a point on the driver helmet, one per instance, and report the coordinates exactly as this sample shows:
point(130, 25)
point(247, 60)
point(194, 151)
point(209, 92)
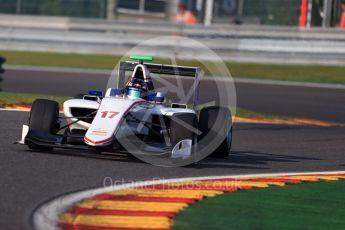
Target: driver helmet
point(136, 88)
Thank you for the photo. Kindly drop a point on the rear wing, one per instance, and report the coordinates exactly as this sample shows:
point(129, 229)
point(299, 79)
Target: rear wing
point(163, 69)
point(173, 70)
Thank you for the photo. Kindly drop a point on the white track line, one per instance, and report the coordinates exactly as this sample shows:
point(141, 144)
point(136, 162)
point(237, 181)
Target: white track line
point(46, 216)
point(14, 110)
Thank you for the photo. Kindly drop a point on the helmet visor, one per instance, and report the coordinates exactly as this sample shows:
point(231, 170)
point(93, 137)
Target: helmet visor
point(134, 93)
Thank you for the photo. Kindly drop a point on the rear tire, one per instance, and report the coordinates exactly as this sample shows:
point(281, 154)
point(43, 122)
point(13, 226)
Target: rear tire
point(216, 123)
point(43, 118)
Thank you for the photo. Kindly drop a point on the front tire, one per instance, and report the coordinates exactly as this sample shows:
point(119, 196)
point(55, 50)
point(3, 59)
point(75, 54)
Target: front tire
point(215, 123)
point(43, 118)
point(181, 127)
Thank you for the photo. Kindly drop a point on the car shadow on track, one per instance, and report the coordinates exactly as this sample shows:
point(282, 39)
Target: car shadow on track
point(93, 155)
point(252, 160)
point(252, 157)
point(236, 159)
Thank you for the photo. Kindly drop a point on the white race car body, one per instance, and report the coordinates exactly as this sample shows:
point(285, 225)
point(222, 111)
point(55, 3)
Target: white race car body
point(134, 118)
point(109, 122)
point(111, 111)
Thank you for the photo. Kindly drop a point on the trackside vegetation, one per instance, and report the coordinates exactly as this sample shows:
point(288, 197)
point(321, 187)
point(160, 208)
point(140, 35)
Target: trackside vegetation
point(303, 73)
point(8, 99)
point(305, 206)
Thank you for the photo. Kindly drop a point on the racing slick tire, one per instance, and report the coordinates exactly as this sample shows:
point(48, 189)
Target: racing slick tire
point(182, 126)
point(216, 122)
point(43, 118)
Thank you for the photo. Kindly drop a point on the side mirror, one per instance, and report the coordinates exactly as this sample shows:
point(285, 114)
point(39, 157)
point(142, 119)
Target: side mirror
point(156, 97)
point(112, 92)
point(96, 93)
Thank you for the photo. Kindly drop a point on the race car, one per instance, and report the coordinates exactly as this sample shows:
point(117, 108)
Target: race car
point(133, 118)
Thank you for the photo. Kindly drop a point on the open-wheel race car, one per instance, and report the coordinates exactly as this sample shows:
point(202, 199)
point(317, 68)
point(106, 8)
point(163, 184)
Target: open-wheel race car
point(133, 118)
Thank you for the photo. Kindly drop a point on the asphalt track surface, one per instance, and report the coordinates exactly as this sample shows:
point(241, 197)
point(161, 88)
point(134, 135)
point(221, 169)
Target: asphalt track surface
point(29, 179)
point(295, 101)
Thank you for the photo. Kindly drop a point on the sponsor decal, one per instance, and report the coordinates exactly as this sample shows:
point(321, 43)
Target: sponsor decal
point(99, 132)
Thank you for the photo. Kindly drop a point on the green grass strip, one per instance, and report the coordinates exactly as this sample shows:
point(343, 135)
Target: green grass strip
point(303, 73)
point(315, 206)
point(8, 99)
point(60, 59)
